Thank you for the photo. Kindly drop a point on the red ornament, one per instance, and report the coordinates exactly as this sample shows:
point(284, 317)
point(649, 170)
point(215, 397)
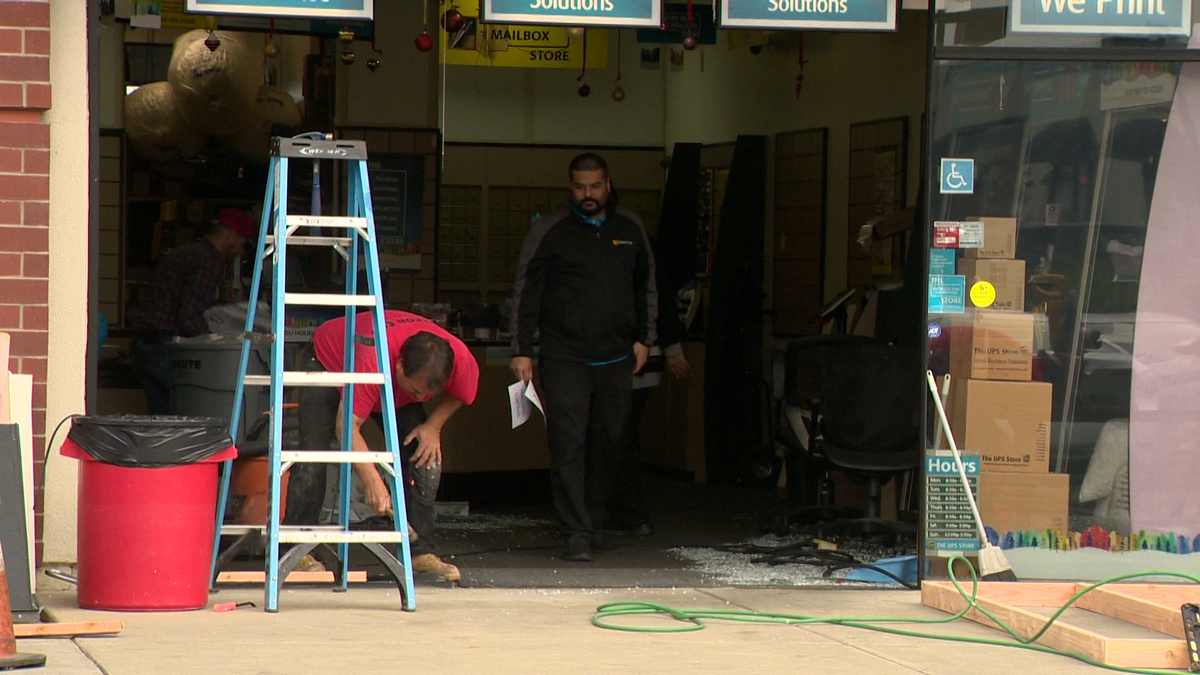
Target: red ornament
point(584, 90)
point(689, 43)
point(453, 20)
point(212, 42)
point(424, 42)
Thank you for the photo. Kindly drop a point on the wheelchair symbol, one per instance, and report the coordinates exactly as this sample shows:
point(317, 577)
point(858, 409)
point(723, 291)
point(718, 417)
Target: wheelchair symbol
point(954, 179)
point(958, 176)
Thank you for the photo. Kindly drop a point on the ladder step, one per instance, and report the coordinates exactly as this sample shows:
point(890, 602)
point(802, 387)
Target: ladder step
point(300, 378)
point(332, 534)
point(329, 299)
point(243, 529)
point(293, 534)
point(334, 457)
point(343, 222)
point(297, 240)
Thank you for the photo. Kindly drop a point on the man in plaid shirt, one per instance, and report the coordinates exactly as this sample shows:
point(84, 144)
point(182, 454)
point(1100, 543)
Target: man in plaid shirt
point(186, 282)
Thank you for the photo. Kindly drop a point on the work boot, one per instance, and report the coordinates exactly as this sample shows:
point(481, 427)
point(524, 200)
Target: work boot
point(429, 563)
point(578, 549)
point(602, 544)
point(309, 564)
point(640, 530)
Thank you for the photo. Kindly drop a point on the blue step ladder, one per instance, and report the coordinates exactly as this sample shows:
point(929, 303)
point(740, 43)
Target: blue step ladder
point(348, 235)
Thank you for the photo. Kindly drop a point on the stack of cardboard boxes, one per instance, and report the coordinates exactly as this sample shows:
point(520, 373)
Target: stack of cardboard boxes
point(996, 411)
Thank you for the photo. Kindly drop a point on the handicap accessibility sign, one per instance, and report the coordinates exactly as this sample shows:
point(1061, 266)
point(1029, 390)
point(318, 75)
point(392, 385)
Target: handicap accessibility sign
point(958, 176)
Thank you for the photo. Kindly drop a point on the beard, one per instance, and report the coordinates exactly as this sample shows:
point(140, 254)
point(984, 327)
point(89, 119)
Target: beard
point(590, 207)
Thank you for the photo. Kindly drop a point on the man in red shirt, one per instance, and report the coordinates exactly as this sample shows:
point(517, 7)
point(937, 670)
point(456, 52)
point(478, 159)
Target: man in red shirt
point(426, 361)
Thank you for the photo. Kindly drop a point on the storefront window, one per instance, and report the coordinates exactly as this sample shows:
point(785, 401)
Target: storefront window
point(1037, 291)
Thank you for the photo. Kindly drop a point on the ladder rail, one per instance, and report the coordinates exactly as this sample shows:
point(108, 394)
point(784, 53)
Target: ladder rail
point(278, 286)
point(387, 394)
point(347, 421)
point(239, 389)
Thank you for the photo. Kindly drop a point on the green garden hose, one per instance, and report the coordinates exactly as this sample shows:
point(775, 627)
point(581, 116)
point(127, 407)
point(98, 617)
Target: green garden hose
point(694, 619)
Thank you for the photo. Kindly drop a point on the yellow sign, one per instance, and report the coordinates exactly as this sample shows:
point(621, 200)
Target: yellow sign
point(511, 46)
point(173, 16)
point(983, 294)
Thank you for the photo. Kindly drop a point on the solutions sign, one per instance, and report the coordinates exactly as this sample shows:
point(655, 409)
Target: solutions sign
point(308, 9)
point(574, 12)
point(1103, 17)
point(872, 15)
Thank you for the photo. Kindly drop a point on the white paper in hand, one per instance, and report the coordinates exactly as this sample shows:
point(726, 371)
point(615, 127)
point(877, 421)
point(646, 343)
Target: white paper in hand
point(520, 405)
point(532, 395)
point(522, 399)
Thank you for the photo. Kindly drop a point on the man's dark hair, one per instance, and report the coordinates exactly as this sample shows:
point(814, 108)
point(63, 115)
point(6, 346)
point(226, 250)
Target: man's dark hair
point(429, 354)
point(588, 161)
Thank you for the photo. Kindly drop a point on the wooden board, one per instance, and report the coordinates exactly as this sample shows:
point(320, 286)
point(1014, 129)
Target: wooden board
point(254, 577)
point(1005, 602)
point(1150, 606)
point(32, 630)
point(5, 412)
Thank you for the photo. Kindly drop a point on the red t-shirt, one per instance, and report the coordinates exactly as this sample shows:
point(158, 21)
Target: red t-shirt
point(329, 342)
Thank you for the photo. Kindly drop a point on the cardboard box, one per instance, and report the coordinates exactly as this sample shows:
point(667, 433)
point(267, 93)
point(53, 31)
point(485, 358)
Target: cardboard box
point(1006, 423)
point(1017, 502)
point(999, 239)
point(1008, 276)
point(992, 345)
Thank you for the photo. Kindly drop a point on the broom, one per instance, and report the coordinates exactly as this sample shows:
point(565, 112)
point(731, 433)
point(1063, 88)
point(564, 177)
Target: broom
point(993, 565)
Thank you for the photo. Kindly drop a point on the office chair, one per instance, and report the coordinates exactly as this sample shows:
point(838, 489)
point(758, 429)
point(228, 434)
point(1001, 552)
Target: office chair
point(851, 403)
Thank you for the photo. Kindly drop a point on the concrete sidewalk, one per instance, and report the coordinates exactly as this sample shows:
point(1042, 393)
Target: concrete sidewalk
point(520, 632)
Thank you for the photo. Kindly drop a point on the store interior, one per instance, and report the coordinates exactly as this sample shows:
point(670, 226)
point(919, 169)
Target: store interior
point(766, 153)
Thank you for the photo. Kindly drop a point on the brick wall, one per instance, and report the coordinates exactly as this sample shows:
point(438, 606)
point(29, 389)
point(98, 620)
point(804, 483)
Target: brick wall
point(24, 200)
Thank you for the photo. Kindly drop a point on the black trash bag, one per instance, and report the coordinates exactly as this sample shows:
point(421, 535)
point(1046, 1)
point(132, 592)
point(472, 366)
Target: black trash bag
point(150, 441)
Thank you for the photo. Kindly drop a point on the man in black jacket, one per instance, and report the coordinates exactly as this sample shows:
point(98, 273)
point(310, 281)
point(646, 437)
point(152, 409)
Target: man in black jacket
point(586, 282)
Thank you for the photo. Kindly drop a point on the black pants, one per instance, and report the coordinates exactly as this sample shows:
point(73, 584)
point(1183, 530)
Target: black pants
point(306, 482)
point(587, 408)
point(625, 508)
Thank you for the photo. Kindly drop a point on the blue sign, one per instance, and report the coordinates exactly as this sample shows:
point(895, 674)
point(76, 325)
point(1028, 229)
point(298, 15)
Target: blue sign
point(958, 176)
point(573, 12)
point(947, 294)
point(935, 331)
point(1103, 17)
point(312, 9)
point(875, 15)
point(949, 520)
point(941, 261)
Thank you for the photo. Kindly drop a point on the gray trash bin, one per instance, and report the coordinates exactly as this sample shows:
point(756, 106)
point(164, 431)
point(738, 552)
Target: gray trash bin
point(204, 376)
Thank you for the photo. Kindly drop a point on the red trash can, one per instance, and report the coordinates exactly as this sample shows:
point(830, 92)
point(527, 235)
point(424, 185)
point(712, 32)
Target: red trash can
point(146, 508)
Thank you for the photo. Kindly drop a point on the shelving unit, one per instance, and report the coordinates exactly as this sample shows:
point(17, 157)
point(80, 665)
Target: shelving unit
point(483, 227)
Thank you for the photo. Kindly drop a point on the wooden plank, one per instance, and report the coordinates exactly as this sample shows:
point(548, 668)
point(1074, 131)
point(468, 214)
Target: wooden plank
point(1152, 606)
point(33, 630)
point(20, 407)
point(255, 577)
point(1146, 653)
point(5, 412)
point(1125, 652)
point(1025, 594)
point(943, 596)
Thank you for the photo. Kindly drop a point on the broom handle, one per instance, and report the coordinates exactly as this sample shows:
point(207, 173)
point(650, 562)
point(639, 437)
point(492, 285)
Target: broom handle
point(962, 472)
point(945, 396)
